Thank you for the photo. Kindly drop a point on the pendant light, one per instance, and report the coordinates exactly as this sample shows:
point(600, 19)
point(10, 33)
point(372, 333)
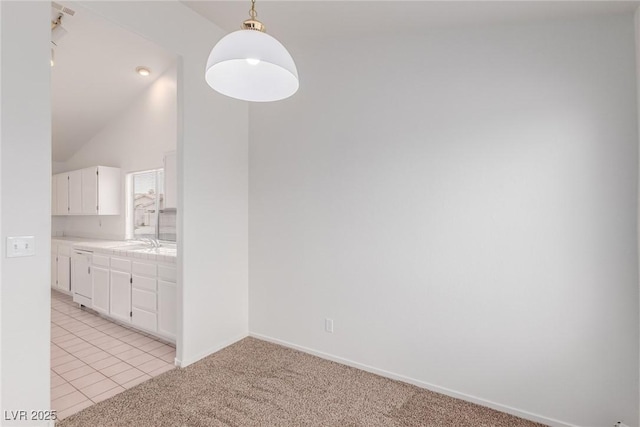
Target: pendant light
point(251, 65)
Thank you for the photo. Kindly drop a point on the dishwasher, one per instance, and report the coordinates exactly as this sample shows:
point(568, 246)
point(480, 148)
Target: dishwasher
point(81, 283)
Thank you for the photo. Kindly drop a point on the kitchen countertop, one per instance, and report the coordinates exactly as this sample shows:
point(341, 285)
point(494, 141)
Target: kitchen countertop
point(78, 239)
point(126, 248)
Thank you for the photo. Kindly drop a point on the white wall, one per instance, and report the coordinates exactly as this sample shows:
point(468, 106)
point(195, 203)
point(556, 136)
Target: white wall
point(637, 27)
point(463, 204)
point(212, 167)
point(212, 179)
point(25, 169)
point(135, 140)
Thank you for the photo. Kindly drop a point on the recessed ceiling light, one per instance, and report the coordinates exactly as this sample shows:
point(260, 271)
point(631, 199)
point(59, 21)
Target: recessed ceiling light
point(143, 71)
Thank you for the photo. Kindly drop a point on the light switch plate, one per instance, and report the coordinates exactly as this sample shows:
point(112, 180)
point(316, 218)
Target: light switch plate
point(21, 246)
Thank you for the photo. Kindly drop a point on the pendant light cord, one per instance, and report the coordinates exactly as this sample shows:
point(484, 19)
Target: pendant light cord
point(252, 13)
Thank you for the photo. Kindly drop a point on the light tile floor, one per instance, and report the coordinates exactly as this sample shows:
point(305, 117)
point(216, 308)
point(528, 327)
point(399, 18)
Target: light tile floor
point(93, 359)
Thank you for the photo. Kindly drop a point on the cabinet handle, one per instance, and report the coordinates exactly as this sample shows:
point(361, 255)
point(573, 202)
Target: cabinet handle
point(88, 270)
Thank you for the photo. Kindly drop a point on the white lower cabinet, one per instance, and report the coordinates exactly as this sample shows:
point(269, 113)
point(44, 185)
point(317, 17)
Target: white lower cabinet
point(100, 297)
point(63, 272)
point(61, 266)
point(141, 293)
point(167, 309)
point(143, 301)
point(144, 319)
point(54, 268)
point(120, 296)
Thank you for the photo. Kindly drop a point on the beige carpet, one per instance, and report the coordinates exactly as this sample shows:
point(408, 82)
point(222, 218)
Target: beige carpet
point(255, 383)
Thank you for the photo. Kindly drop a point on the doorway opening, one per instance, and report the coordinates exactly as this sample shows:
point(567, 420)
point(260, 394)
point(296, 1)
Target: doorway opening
point(114, 284)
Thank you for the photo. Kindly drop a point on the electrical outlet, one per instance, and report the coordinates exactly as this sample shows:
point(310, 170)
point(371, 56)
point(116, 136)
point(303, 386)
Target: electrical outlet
point(328, 325)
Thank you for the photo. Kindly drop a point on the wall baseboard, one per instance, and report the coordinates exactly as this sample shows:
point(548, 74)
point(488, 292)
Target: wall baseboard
point(184, 363)
point(432, 387)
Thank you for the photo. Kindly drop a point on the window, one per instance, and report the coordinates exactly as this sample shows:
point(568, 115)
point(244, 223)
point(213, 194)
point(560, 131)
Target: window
point(146, 216)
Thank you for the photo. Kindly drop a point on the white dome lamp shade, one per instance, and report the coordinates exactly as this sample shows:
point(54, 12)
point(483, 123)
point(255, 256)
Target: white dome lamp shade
point(251, 65)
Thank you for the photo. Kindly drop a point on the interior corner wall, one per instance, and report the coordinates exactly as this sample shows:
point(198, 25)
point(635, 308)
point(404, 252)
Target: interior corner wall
point(637, 46)
point(212, 179)
point(463, 204)
point(135, 140)
point(25, 179)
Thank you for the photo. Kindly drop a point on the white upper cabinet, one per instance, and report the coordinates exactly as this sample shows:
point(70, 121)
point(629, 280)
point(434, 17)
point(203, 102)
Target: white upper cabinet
point(109, 190)
point(54, 195)
point(75, 192)
point(91, 191)
point(170, 181)
point(62, 194)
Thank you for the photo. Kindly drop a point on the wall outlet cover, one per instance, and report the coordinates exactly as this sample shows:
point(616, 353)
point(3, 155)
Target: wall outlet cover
point(21, 246)
point(328, 325)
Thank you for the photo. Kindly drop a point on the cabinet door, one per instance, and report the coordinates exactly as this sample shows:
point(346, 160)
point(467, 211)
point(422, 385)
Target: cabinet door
point(100, 296)
point(62, 194)
point(90, 191)
point(75, 192)
point(64, 273)
point(167, 308)
point(170, 181)
point(54, 195)
point(120, 296)
point(144, 319)
point(109, 190)
point(81, 275)
point(54, 270)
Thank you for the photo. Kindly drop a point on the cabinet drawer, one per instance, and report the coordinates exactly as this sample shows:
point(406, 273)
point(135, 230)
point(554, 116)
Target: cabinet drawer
point(64, 250)
point(145, 283)
point(144, 319)
point(101, 260)
point(144, 269)
point(143, 299)
point(167, 273)
point(121, 264)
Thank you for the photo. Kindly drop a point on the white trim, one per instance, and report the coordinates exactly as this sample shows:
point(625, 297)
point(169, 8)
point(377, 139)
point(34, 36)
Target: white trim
point(187, 362)
point(636, 25)
point(452, 393)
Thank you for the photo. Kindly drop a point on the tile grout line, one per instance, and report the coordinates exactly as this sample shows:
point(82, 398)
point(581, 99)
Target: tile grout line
point(78, 324)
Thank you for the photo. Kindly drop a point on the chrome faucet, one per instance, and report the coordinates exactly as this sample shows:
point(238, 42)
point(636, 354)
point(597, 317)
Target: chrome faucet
point(152, 242)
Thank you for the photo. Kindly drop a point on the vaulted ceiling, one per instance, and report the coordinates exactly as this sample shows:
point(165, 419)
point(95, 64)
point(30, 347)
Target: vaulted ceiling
point(94, 77)
point(292, 20)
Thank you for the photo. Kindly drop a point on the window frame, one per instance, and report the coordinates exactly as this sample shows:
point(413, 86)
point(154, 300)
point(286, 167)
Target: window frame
point(130, 196)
